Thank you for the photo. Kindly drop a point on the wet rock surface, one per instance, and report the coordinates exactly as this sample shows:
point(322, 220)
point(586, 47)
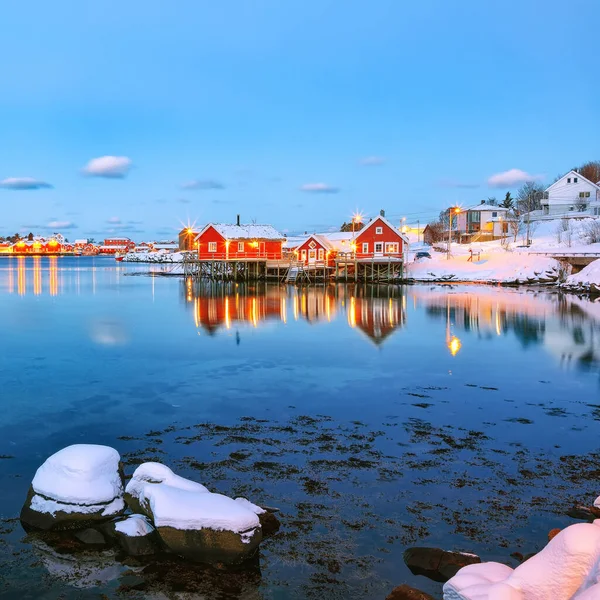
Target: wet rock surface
point(405, 592)
point(437, 564)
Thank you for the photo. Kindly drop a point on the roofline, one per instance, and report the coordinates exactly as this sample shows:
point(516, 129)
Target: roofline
point(577, 175)
point(390, 225)
point(281, 239)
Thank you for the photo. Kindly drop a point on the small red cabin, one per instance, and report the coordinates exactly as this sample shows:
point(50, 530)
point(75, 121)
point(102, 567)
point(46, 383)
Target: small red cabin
point(316, 249)
point(380, 239)
point(220, 241)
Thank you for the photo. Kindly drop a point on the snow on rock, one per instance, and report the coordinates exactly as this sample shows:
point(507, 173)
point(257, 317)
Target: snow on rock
point(134, 526)
point(568, 568)
point(500, 267)
point(154, 473)
point(185, 509)
point(257, 510)
point(80, 474)
point(587, 280)
point(74, 488)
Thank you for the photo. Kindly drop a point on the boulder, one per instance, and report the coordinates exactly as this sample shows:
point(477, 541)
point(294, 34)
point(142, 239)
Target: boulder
point(405, 592)
point(191, 521)
point(136, 535)
point(75, 488)
point(90, 537)
point(437, 564)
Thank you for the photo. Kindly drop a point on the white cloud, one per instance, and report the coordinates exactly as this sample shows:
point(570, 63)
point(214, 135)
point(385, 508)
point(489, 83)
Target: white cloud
point(58, 225)
point(203, 184)
point(114, 220)
point(372, 161)
point(319, 188)
point(511, 178)
point(112, 167)
point(23, 183)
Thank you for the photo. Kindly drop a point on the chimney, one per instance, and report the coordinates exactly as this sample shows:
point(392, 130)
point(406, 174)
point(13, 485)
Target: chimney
point(483, 202)
point(238, 220)
point(382, 212)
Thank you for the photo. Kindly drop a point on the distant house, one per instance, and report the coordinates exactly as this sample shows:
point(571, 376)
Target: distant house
point(114, 245)
point(482, 221)
point(572, 193)
point(223, 241)
point(187, 237)
point(379, 239)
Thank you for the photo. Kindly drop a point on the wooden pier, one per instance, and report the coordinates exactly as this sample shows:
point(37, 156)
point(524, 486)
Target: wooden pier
point(346, 268)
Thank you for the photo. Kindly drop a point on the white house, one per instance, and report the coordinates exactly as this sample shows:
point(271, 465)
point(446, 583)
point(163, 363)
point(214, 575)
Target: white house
point(572, 193)
point(483, 221)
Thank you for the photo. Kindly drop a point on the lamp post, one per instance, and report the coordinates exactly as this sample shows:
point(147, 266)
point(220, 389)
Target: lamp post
point(456, 211)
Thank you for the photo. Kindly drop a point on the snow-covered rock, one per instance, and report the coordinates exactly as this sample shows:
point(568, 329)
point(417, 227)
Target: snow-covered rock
point(136, 535)
point(568, 568)
point(74, 488)
point(192, 521)
point(587, 280)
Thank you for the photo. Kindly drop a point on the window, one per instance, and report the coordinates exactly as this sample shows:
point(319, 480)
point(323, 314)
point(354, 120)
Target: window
point(378, 230)
point(212, 246)
point(574, 179)
point(494, 214)
point(321, 253)
point(303, 254)
point(365, 247)
point(391, 248)
point(584, 194)
point(240, 246)
point(568, 180)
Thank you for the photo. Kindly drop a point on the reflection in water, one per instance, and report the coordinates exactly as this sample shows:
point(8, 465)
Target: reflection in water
point(39, 274)
point(573, 337)
point(376, 311)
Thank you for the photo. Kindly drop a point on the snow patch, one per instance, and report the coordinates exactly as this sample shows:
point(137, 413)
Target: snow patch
point(257, 510)
point(82, 474)
point(134, 526)
point(191, 510)
point(152, 473)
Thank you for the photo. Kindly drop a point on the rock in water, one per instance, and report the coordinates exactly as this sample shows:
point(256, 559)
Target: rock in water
point(136, 535)
point(191, 521)
point(90, 537)
point(268, 521)
point(437, 564)
point(405, 592)
point(75, 488)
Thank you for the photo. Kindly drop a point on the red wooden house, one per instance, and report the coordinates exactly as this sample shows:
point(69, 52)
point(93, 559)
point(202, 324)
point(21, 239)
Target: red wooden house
point(316, 249)
point(379, 239)
point(221, 241)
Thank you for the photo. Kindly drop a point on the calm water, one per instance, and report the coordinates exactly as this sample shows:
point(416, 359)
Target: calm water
point(375, 418)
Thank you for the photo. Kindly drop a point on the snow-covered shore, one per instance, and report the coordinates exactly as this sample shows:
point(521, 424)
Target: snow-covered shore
point(154, 257)
point(586, 281)
point(501, 267)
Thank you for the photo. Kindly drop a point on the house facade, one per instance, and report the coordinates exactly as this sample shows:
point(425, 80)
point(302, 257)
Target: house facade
point(483, 221)
point(221, 241)
point(114, 245)
point(316, 250)
point(572, 193)
point(379, 239)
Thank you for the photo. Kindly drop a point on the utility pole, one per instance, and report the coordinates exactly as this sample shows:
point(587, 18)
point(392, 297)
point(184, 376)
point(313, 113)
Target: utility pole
point(449, 232)
point(418, 231)
point(528, 242)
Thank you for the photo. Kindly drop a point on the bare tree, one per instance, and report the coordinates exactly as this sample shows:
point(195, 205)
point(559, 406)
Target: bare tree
point(513, 222)
point(436, 231)
point(590, 170)
point(564, 232)
point(591, 231)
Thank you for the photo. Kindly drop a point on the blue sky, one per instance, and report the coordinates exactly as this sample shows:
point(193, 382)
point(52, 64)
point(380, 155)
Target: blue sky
point(269, 108)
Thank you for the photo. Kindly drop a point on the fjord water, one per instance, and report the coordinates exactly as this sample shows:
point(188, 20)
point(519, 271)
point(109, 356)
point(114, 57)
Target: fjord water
point(374, 417)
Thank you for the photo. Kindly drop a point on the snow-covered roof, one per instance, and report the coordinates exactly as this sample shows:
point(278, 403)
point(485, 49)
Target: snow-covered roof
point(381, 218)
point(482, 207)
point(574, 174)
point(244, 232)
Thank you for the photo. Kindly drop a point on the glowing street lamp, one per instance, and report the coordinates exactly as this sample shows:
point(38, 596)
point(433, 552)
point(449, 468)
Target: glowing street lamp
point(455, 210)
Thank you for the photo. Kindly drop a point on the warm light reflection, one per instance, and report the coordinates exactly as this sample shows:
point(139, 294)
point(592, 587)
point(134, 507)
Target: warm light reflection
point(352, 312)
point(228, 305)
point(53, 263)
point(454, 345)
point(21, 276)
point(11, 278)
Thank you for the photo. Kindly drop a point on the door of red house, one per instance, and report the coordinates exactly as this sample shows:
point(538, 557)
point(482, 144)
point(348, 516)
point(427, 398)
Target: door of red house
point(312, 255)
point(261, 248)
